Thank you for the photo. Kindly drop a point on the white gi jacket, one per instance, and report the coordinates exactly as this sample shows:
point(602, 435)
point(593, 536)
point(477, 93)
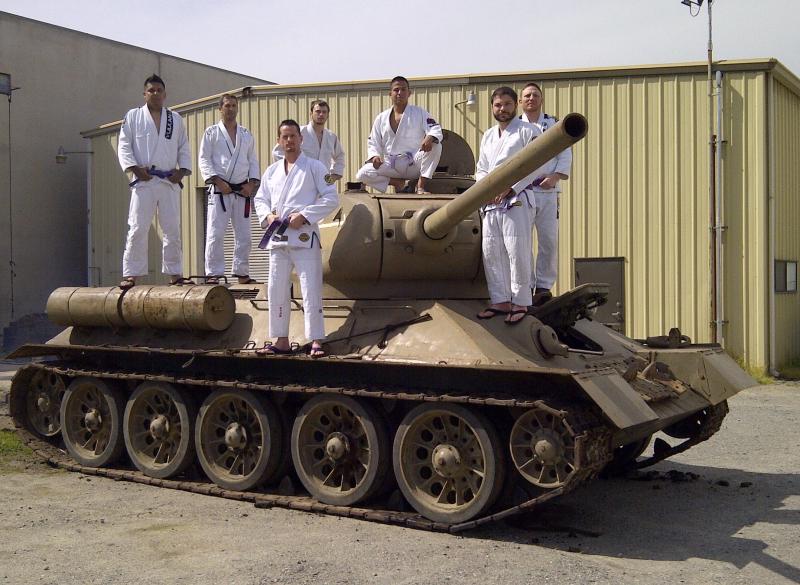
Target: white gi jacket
point(140, 144)
point(415, 124)
point(496, 148)
point(303, 190)
point(330, 153)
point(218, 156)
point(561, 163)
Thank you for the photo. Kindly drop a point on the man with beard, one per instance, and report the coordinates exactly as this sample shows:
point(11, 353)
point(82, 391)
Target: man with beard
point(293, 197)
point(405, 143)
point(546, 191)
point(320, 143)
point(230, 168)
point(506, 219)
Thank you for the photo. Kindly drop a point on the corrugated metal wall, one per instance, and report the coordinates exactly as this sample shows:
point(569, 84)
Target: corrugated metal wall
point(745, 188)
point(786, 165)
point(639, 187)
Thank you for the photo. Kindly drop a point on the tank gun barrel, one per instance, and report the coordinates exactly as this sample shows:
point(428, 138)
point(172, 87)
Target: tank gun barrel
point(564, 134)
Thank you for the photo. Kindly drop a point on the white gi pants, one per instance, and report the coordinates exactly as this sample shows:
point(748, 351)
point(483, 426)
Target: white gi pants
point(164, 197)
point(216, 226)
point(424, 165)
point(544, 264)
point(506, 248)
point(307, 263)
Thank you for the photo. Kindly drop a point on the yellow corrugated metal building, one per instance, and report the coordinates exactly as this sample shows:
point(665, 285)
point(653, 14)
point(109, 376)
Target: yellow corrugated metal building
point(638, 194)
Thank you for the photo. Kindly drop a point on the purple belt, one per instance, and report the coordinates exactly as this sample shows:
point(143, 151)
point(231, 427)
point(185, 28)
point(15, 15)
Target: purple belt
point(275, 231)
point(154, 172)
point(393, 158)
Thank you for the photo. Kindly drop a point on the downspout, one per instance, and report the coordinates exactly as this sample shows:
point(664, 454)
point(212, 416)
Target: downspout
point(771, 212)
point(89, 245)
point(719, 227)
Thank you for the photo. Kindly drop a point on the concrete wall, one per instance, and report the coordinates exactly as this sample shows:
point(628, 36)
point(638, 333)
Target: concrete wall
point(69, 81)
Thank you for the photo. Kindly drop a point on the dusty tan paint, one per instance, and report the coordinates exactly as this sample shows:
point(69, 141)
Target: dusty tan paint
point(638, 188)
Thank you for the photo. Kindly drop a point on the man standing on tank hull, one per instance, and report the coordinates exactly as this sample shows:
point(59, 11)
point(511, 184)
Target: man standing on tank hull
point(293, 197)
point(230, 168)
point(506, 220)
point(152, 143)
point(405, 144)
point(320, 143)
point(546, 189)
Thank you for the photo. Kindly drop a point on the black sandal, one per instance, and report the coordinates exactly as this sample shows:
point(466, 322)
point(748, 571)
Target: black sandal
point(494, 313)
point(181, 281)
point(510, 319)
point(127, 282)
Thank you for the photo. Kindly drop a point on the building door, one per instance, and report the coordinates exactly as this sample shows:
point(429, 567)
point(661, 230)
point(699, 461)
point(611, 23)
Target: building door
point(612, 272)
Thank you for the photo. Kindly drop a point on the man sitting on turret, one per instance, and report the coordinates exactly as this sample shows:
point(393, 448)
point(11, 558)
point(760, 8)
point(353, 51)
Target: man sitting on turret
point(405, 143)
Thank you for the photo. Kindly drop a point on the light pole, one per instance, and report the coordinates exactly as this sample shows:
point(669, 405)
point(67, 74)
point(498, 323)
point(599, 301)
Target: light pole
point(715, 206)
point(6, 89)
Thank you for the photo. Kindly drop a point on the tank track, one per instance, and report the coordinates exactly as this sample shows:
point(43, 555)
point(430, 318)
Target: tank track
point(592, 445)
point(708, 427)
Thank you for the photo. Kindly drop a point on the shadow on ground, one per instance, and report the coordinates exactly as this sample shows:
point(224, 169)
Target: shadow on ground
point(662, 519)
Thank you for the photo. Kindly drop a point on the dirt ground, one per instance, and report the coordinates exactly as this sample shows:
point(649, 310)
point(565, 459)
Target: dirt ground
point(736, 522)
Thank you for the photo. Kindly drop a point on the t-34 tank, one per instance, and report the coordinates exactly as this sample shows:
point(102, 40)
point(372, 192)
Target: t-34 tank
point(421, 414)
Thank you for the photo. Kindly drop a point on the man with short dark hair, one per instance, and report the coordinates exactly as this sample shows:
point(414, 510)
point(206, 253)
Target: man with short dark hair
point(405, 143)
point(546, 191)
point(230, 168)
point(154, 151)
point(320, 143)
point(292, 199)
point(506, 220)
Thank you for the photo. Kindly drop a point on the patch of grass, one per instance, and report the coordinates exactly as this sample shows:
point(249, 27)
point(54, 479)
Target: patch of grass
point(12, 446)
point(760, 375)
point(790, 371)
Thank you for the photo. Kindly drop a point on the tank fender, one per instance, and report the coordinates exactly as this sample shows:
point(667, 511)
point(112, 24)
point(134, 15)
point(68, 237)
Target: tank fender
point(615, 397)
point(712, 373)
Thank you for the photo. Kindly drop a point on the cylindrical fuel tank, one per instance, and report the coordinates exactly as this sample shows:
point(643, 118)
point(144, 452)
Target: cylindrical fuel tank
point(194, 308)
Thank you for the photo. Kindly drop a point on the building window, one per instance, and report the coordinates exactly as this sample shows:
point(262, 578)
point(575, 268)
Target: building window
point(785, 276)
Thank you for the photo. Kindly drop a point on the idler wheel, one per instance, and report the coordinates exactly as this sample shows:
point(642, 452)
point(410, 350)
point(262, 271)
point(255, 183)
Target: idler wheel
point(238, 439)
point(543, 448)
point(43, 403)
point(449, 462)
point(159, 429)
point(340, 449)
point(91, 421)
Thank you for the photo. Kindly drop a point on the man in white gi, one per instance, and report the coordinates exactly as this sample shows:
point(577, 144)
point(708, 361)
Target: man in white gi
point(154, 151)
point(293, 197)
point(230, 168)
point(506, 219)
point(405, 143)
point(320, 143)
point(546, 189)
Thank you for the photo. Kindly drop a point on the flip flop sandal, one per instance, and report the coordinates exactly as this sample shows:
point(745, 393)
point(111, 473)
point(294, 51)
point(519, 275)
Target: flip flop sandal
point(316, 352)
point(212, 280)
point(247, 281)
point(494, 312)
point(181, 281)
point(510, 319)
point(270, 349)
point(127, 282)
point(423, 192)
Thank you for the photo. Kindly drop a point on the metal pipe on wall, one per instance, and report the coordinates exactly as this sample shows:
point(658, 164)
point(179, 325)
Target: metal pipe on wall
point(719, 227)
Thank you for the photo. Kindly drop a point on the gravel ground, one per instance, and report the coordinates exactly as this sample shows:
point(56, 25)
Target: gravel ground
point(726, 511)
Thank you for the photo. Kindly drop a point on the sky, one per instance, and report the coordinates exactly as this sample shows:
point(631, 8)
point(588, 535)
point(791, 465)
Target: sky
point(296, 41)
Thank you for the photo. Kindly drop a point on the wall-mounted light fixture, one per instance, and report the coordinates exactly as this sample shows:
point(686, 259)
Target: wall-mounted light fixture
point(470, 101)
point(61, 155)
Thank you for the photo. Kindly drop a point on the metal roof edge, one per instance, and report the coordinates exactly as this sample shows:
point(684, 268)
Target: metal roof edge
point(759, 64)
